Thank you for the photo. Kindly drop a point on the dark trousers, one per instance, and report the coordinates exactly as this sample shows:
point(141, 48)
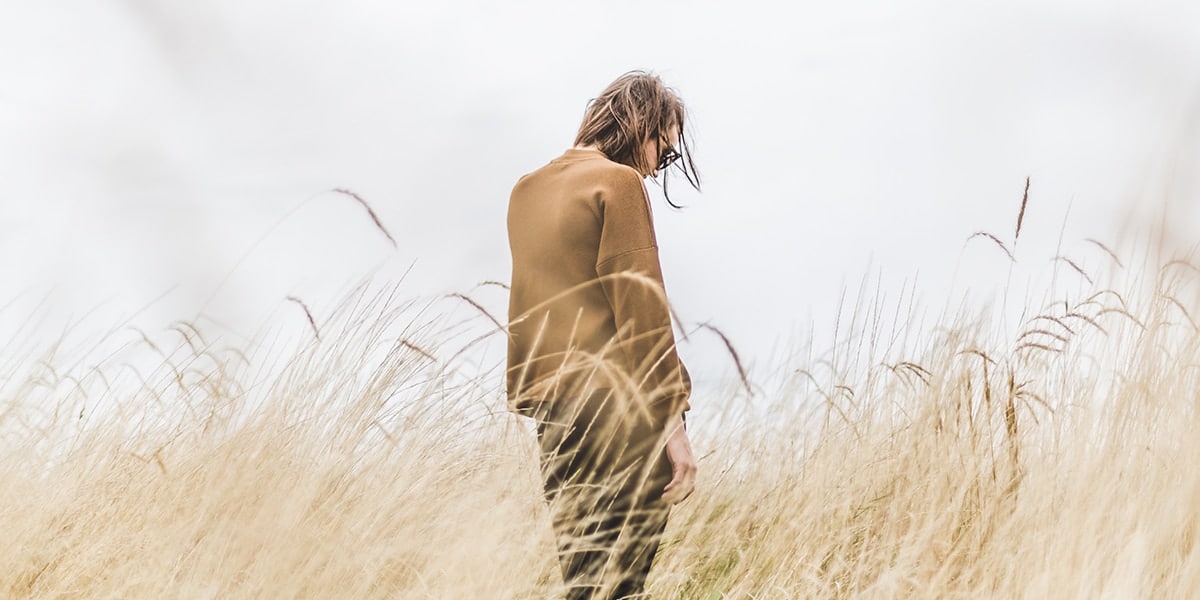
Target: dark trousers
point(604, 469)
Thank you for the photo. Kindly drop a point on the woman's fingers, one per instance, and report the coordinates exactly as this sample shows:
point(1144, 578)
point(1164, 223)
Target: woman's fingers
point(682, 484)
point(683, 463)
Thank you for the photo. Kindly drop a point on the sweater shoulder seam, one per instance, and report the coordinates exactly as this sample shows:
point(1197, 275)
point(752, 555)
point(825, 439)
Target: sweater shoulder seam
point(620, 254)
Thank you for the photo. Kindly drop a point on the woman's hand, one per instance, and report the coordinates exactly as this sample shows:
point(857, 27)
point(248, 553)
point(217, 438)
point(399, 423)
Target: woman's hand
point(683, 464)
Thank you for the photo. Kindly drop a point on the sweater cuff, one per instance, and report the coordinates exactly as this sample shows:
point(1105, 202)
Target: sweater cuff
point(668, 407)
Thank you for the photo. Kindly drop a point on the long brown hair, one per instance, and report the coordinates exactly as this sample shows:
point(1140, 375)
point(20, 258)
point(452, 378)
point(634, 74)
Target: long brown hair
point(635, 108)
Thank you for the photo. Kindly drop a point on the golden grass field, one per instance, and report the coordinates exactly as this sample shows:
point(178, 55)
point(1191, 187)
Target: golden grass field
point(1057, 458)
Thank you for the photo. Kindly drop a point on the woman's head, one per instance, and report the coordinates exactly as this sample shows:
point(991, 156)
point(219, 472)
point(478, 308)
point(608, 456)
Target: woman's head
point(638, 121)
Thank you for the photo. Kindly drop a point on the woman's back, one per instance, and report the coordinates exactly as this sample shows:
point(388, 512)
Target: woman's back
point(559, 311)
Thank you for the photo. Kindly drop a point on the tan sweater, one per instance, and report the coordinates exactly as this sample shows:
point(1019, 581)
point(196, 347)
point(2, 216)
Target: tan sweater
point(587, 308)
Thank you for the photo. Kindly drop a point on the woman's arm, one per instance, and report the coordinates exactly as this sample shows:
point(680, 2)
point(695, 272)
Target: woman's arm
point(631, 275)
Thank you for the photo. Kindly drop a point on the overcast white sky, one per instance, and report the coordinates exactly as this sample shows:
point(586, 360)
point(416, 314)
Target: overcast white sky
point(186, 149)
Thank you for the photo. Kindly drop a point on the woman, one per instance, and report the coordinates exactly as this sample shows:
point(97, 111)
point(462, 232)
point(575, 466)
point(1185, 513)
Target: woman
point(591, 353)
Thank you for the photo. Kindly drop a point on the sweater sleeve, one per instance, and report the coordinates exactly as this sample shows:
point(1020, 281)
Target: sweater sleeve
point(639, 304)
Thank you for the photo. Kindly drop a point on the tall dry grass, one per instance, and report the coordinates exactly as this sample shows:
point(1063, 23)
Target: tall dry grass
point(374, 460)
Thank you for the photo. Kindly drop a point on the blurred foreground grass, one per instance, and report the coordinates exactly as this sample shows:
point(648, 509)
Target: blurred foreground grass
point(1055, 461)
